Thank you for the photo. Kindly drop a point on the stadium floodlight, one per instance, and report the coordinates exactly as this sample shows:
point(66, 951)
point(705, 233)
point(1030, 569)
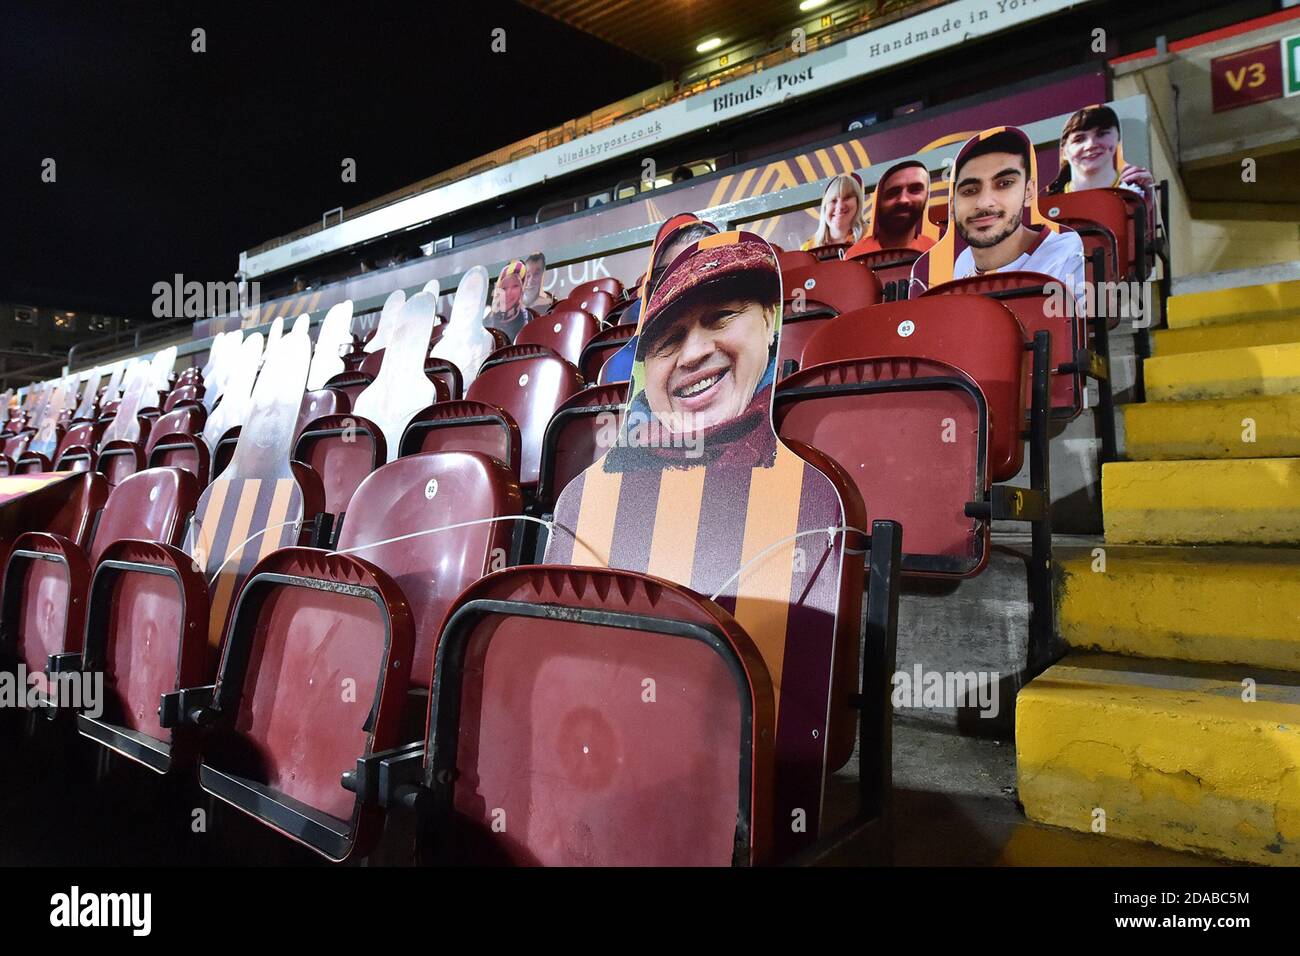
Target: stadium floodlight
point(712, 43)
point(809, 5)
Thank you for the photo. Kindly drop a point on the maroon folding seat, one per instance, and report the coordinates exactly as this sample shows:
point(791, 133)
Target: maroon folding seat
point(343, 449)
point(922, 402)
point(47, 577)
point(564, 330)
point(596, 302)
point(655, 652)
point(441, 370)
point(183, 394)
point(370, 364)
point(13, 449)
point(829, 252)
point(350, 384)
point(606, 284)
point(794, 258)
point(176, 441)
point(1030, 296)
point(819, 292)
point(617, 317)
point(318, 403)
point(121, 450)
point(504, 414)
point(189, 376)
point(225, 449)
point(157, 613)
point(600, 347)
point(77, 448)
point(288, 744)
point(576, 437)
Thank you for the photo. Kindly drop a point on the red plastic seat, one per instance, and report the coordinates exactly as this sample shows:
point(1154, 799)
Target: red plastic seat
point(893, 267)
point(565, 331)
point(121, 457)
point(577, 435)
point(176, 441)
point(816, 293)
point(77, 449)
point(182, 394)
point(1029, 296)
point(440, 370)
point(350, 384)
point(319, 403)
point(523, 393)
point(600, 347)
point(343, 450)
point(794, 259)
point(607, 284)
point(47, 578)
point(370, 611)
point(596, 302)
point(371, 363)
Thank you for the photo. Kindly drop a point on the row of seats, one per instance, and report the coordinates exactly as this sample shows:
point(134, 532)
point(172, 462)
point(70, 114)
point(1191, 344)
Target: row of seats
point(268, 605)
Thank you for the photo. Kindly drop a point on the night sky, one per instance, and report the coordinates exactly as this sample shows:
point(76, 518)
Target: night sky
point(173, 161)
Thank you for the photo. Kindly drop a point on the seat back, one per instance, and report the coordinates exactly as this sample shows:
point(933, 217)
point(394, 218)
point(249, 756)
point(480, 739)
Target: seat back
point(77, 449)
point(176, 441)
point(595, 302)
point(975, 334)
point(150, 505)
point(578, 434)
point(447, 375)
point(893, 267)
point(816, 293)
point(606, 284)
point(563, 330)
point(912, 434)
point(181, 394)
point(319, 403)
point(343, 450)
point(1040, 303)
point(600, 347)
point(529, 390)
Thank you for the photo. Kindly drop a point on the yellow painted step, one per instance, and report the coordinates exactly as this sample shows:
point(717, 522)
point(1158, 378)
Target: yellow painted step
point(1208, 604)
point(1243, 501)
point(1164, 753)
point(1234, 335)
point(1255, 426)
point(1224, 373)
point(1273, 299)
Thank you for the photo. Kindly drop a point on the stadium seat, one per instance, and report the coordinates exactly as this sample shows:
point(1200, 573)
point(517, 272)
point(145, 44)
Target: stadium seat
point(343, 449)
point(572, 441)
point(157, 613)
point(351, 384)
point(819, 292)
point(596, 302)
point(192, 394)
point(318, 403)
point(441, 370)
point(287, 747)
point(602, 345)
point(176, 441)
point(564, 330)
point(47, 577)
point(934, 392)
point(506, 408)
point(794, 259)
point(606, 284)
point(77, 449)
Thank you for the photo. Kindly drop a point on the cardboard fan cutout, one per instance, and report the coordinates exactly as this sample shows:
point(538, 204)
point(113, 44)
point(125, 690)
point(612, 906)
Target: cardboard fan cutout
point(898, 212)
point(401, 388)
point(224, 358)
point(233, 409)
point(387, 321)
point(334, 335)
point(125, 424)
point(698, 490)
point(466, 343)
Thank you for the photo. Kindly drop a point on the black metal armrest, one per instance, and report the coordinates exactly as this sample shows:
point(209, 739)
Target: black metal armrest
point(63, 663)
point(389, 778)
point(189, 705)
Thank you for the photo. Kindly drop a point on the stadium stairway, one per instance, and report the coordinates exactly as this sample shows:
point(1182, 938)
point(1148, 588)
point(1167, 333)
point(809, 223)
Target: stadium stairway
point(1174, 718)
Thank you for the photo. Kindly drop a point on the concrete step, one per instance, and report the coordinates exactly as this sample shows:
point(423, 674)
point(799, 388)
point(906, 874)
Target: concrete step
point(1243, 303)
point(1242, 501)
point(1208, 604)
point(1167, 753)
point(1224, 373)
point(1235, 335)
point(1252, 426)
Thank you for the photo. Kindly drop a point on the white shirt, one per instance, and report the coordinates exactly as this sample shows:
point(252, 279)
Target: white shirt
point(1059, 255)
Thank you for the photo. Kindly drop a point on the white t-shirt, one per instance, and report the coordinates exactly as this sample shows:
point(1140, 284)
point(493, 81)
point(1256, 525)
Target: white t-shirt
point(1057, 254)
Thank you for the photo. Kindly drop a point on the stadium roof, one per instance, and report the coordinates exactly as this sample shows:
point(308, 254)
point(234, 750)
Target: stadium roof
point(667, 31)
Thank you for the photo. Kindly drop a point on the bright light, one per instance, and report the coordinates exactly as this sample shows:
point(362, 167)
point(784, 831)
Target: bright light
point(712, 43)
point(807, 5)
